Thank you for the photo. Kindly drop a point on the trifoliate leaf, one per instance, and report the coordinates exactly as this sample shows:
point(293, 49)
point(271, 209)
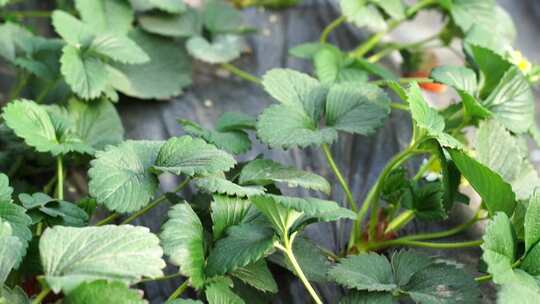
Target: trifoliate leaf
point(234, 141)
point(86, 75)
point(244, 244)
point(512, 102)
point(104, 292)
point(226, 212)
point(499, 248)
point(531, 225)
point(72, 256)
point(71, 29)
point(97, 123)
point(525, 290)
point(114, 16)
point(264, 172)
point(5, 189)
point(369, 271)
point(222, 49)
point(216, 184)
point(406, 263)
point(257, 275)
point(183, 241)
point(189, 156)
point(281, 218)
point(11, 250)
point(443, 283)
point(13, 296)
point(364, 297)
point(363, 15)
point(120, 177)
point(494, 191)
point(119, 48)
point(186, 24)
point(219, 292)
point(164, 76)
point(358, 108)
point(460, 78)
point(19, 224)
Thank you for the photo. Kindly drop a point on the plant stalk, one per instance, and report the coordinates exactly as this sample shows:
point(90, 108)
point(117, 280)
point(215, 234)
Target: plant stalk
point(330, 28)
point(108, 219)
point(405, 242)
point(241, 73)
point(446, 233)
point(60, 179)
point(41, 296)
point(178, 292)
point(339, 176)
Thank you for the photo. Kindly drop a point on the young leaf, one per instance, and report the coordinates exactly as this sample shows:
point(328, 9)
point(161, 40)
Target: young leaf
point(71, 29)
point(499, 248)
point(227, 212)
point(120, 177)
point(216, 184)
point(222, 49)
point(359, 109)
point(426, 202)
point(104, 292)
point(494, 191)
point(189, 156)
point(264, 172)
point(460, 78)
point(106, 15)
point(72, 256)
point(257, 275)
point(219, 292)
point(119, 48)
point(164, 76)
point(281, 218)
point(86, 75)
point(244, 244)
point(369, 271)
point(183, 241)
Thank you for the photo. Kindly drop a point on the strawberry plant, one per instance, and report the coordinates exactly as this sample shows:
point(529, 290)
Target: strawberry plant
point(239, 230)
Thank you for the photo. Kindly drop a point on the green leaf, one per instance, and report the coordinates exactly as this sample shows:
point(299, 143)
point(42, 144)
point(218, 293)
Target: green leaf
point(499, 248)
point(363, 15)
point(363, 297)
point(426, 202)
point(394, 8)
point(512, 102)
point(164, 76)
point(169, 6)
point(185, 25)
point(443, 283)
point(19, 224)
point(216, 184)
point(104, 292)
point(226, 212)
point(281, 218)
point(492, 66)
point(120, 177)
point(331, 67)
point(97, 123)
point(358, 108)
point(406, 263)
point(531, 262)
point(233, 141)
point(525, 290)
point(189, 156)
point(60, 212)
point(86, 75)
point(244, 244)
point(183, 241)
point(5, 189)
point(369, 271)
point(71, 29)
point(460, 78)
point(222, 49)
point(257, 275)
point(306, 50)
point(106, 15)
point(221, 17)
point(11, 249)
point(119, 48)
point(13, 296)
point(531, 225)
point(234, 121)
point(496, 194)
point(219, 292)
point(264, 172)
point(72, 256)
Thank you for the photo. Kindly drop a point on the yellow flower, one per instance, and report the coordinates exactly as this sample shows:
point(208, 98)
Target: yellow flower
point(517, 58)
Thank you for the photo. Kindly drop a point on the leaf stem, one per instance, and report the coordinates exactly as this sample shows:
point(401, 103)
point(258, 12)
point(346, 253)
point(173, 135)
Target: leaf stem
point(60, 179)
point(42, 295)
point(241, 73)
point(446, 233)
point(153, 204)
point(405, 242)
point(483, 279)
point(339, 176)
point(330, 28)
point(400, 106)
point(27, 14)
point(108, 219)
point(178, 292)
point(424, 168)
point(163, 278)
point(287, 249)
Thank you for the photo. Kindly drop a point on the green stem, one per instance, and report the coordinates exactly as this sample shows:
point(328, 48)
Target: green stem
point(401, 220)
point(108, 219)
point(339, 176)
point(397, 46)
point(163, 278)
point(153, 204)
point(287, 249)
point(403, 80)
point(60, 179)
point(446, 233)
point(405, 242)
point(178, 292)
point(331, 27)
point(241, 74)
point(16, 91)
point(27, 14)
point(41, 296)
point(483, 279)
point(413, 9)
point(400, 106)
